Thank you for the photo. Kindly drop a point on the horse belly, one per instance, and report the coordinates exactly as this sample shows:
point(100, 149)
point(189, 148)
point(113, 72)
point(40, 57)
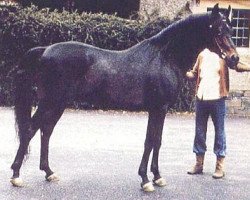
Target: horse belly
point(113, 93)
point(125, 97)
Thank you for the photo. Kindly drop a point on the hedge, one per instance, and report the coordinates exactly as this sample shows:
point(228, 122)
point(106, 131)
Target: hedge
point(24, 28)
point(123, 8)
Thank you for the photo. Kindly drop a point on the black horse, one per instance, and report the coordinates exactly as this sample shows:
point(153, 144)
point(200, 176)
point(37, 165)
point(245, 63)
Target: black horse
point(144, 77)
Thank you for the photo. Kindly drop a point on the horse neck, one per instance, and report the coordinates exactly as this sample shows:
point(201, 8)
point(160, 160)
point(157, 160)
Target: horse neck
point(143, 51)
point(184, 39)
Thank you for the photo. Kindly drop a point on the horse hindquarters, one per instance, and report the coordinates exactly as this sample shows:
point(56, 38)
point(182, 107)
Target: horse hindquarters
point(50, 108)
point(152, 142)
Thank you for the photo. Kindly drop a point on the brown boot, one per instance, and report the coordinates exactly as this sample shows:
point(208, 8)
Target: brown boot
point(219, 170)
point(198, 168)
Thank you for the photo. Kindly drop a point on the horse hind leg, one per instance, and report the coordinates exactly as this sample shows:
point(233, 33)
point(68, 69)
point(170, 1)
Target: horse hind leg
point(51, 117)
point(23, 149)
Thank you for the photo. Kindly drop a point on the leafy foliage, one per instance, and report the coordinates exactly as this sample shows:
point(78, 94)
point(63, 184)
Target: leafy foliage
point(22, 29)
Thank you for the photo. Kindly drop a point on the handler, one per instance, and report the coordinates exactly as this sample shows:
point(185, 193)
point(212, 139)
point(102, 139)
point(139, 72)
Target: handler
point(212, 88)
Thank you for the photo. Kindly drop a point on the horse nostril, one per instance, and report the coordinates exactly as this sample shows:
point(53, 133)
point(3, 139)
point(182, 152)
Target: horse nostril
point(235, 58)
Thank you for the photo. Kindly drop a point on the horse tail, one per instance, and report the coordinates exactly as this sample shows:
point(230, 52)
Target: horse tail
point(23, 80)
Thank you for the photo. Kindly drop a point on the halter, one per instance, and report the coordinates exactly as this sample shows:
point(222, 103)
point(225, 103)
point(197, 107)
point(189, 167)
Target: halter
point(222, 52)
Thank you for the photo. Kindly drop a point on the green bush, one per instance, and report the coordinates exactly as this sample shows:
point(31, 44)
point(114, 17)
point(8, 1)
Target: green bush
point(22, 29)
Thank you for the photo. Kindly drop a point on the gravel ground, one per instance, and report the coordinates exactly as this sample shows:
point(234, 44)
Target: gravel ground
point(97, 155)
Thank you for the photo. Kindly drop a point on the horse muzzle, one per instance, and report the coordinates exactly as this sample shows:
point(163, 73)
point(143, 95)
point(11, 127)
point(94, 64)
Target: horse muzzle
point(232, 61)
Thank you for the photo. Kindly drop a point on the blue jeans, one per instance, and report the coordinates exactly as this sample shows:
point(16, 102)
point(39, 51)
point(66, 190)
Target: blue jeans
point(216, 109)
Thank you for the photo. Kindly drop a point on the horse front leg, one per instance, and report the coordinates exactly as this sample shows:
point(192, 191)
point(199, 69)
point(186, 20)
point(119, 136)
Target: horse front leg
point(154, 129)
point(159, 123)
point(146, 185)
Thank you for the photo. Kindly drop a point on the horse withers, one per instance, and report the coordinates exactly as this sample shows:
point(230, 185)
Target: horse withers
point(145, 77)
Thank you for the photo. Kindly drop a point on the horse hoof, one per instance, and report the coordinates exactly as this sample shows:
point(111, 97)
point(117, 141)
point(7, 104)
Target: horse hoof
point(17, 182)
point(161, 182)
point(148, 187)
point(53, 178)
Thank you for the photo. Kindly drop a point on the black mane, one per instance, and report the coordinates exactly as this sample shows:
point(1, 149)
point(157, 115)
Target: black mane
point(184, 39)
point(180, 26)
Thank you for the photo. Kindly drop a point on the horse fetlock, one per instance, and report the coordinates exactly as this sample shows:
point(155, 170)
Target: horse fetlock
point(16, 167)
point(48, 171)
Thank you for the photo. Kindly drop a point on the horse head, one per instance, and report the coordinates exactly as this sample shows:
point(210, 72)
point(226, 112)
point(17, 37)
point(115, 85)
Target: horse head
point(221, 33)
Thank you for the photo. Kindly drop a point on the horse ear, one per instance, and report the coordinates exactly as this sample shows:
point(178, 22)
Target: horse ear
point(215, 9)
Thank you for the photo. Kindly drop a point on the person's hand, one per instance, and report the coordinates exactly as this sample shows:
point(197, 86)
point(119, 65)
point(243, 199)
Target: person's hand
point(242, 67)
point(190, 74)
